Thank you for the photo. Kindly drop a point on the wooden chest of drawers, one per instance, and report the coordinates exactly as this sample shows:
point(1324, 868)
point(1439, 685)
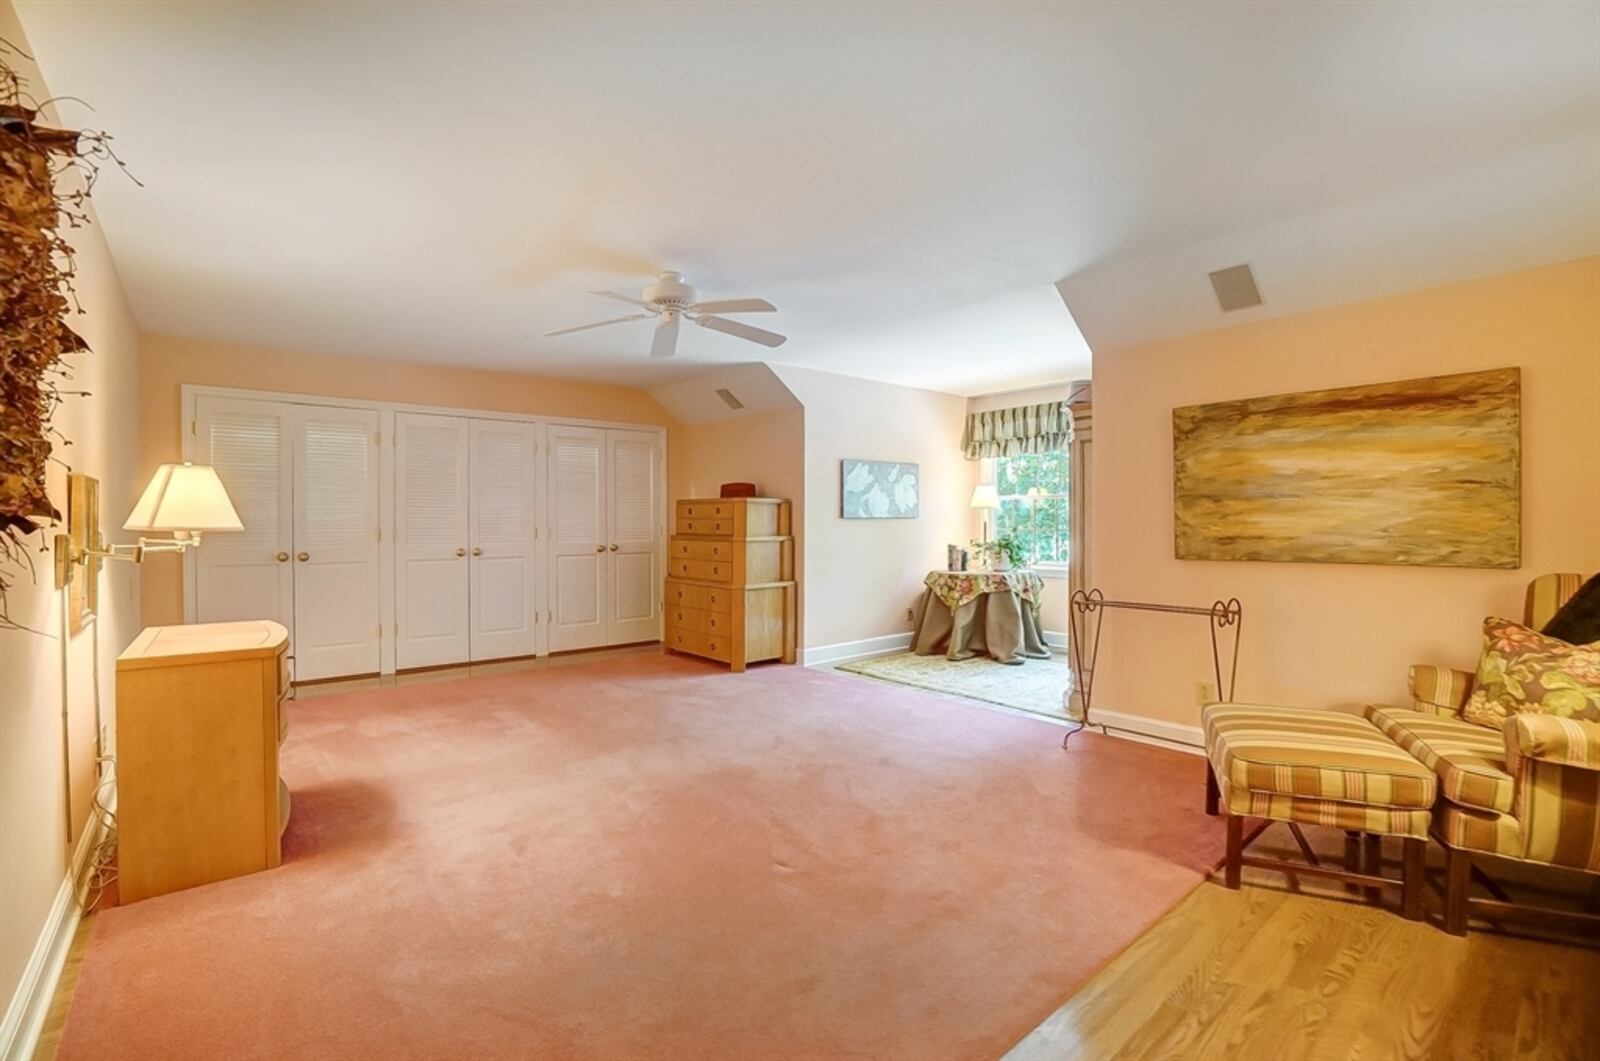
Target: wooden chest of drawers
point(730, 592)
point(199, 721)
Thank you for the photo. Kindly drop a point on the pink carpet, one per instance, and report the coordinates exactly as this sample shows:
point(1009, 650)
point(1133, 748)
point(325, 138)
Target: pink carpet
point(657, 858)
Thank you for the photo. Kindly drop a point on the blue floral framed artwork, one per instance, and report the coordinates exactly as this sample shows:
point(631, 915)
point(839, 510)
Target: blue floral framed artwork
point(880, 490)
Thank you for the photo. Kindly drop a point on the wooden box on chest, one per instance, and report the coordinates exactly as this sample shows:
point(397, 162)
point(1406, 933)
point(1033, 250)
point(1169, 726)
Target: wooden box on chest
point(730, 581)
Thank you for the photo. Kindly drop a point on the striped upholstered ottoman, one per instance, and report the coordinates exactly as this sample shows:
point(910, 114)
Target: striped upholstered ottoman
point(1305, 766)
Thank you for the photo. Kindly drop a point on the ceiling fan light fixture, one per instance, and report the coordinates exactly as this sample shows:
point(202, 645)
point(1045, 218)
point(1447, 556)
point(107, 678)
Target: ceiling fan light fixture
point(673, 298)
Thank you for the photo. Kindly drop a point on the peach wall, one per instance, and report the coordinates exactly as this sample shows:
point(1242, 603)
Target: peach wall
point(767, 449)
point(1318, 634)
point(861, 575)
point(40, 669)
point(166, 363)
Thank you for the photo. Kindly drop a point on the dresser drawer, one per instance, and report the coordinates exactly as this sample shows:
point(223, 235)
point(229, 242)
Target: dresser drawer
point(698, 620)
point(704, 598)
point(692, 619)
point(707, 526)
point(712, 646)
point(696, 549)
point(701, 570)
point(705, 510)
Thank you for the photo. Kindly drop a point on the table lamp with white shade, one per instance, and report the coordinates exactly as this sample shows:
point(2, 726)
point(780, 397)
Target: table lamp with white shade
point(985, 498)
point(184, 499)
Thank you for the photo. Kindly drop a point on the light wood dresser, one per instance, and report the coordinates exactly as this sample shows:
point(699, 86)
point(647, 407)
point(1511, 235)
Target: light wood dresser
point(730, 581)
point(199, 721)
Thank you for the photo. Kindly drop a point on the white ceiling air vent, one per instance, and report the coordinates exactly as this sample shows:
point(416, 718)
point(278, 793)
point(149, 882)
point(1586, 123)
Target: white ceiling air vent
point(1236, 288)
point(728, 399)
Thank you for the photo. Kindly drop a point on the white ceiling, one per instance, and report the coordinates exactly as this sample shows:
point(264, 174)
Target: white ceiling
point(906, 181)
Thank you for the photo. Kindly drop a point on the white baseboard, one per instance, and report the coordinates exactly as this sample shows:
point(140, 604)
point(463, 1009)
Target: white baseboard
point(1150, 730)
point(845, 651)
point(1056, 639)
point(24, 1018)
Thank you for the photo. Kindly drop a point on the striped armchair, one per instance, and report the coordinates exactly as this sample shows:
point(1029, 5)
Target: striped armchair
point(1530, 792)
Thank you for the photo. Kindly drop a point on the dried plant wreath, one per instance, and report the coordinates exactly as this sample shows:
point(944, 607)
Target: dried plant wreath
point(36, 295)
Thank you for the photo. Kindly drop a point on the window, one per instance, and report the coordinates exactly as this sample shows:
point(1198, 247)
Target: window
point(1033, 505)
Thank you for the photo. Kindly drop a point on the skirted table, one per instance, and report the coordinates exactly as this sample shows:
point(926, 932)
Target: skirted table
point(968, 613)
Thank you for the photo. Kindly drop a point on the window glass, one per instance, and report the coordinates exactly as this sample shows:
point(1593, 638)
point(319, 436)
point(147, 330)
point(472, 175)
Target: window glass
point(1033, 504)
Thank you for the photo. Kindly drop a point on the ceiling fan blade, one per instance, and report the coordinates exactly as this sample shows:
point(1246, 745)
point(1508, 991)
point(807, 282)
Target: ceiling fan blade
point(736, 305)
point(743, 331)
point(599, 324)
point(624, 298)
point(665, 343)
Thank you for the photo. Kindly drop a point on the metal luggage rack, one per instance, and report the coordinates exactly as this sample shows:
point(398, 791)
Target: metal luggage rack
point(1088, 612)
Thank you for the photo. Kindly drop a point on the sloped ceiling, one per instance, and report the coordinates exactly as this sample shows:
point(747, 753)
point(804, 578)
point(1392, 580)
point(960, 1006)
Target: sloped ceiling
point(695, 400)
point(906, 181)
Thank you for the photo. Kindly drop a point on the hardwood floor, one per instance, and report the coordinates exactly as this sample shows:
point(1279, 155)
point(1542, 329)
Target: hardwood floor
point(56, 1018)
point(1274, 971)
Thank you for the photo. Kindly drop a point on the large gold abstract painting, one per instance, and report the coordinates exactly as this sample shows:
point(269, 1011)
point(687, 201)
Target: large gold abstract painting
point(1423, 471)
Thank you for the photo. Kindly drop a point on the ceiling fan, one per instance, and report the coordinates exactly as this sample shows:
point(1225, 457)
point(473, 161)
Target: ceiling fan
point(672, 299)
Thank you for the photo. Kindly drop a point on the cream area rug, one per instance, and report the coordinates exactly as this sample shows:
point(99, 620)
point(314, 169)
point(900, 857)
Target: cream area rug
point(1038, 686)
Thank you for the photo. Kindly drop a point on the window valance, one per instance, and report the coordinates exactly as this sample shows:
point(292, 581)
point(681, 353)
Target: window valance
point(1024, 429)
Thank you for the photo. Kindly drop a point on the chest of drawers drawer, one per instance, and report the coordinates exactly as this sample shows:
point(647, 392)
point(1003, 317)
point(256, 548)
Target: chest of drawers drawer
point(704, 598)
point(701, 570)
point(713, 646)
point(705, 510)
point(707, 526)
point(698, 620)
point(699, 549)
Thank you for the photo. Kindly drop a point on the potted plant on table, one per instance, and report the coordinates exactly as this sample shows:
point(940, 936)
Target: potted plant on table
point(1002, 554)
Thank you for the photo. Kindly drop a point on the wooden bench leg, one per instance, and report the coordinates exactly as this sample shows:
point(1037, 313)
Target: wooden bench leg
point(1230, 875)
point(1213, 794)
point(1457, 879)
point(1372, 863)
point(1414, 852)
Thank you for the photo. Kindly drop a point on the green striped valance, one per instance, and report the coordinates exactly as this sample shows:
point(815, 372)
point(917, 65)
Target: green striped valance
point(1024, 429)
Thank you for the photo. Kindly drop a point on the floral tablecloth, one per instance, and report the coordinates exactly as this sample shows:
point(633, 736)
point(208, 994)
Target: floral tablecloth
point(969, 613)
point(956, 588)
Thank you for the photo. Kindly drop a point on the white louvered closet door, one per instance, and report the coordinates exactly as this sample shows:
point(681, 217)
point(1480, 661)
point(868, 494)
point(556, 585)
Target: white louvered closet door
point(431, 539)
point(336, 591)
point(633, 591)
point(247, 574)
point(577, 547)
point(501, 532)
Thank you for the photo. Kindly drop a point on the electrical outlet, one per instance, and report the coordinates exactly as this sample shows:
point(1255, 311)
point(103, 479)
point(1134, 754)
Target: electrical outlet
point(1204, 693)
point(910, 616)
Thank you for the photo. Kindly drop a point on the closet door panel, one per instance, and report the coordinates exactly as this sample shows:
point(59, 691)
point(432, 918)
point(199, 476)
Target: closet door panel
point(431, 535)
point(501, 518)
point(633, 592)
point(240, 575)
point(577, 550)
point(336, 593)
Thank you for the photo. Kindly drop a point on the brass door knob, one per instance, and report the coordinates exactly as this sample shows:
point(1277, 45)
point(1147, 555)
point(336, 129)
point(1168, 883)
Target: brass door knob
point(613, 548)
point(599, 548)
point(476, 551)
point(461, 552)
point(282, 557)
point(304, 557)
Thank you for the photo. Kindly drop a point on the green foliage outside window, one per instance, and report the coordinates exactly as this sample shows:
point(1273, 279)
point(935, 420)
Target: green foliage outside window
point(1041, 521)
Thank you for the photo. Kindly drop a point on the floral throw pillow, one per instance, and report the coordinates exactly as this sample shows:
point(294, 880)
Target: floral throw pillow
point(1523, 670)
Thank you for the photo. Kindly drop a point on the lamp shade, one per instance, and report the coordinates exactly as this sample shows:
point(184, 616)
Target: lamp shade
point(985, 495)
point(184, 497)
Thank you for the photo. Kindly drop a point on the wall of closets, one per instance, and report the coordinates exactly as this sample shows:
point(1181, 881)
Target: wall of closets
point(391, 536)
